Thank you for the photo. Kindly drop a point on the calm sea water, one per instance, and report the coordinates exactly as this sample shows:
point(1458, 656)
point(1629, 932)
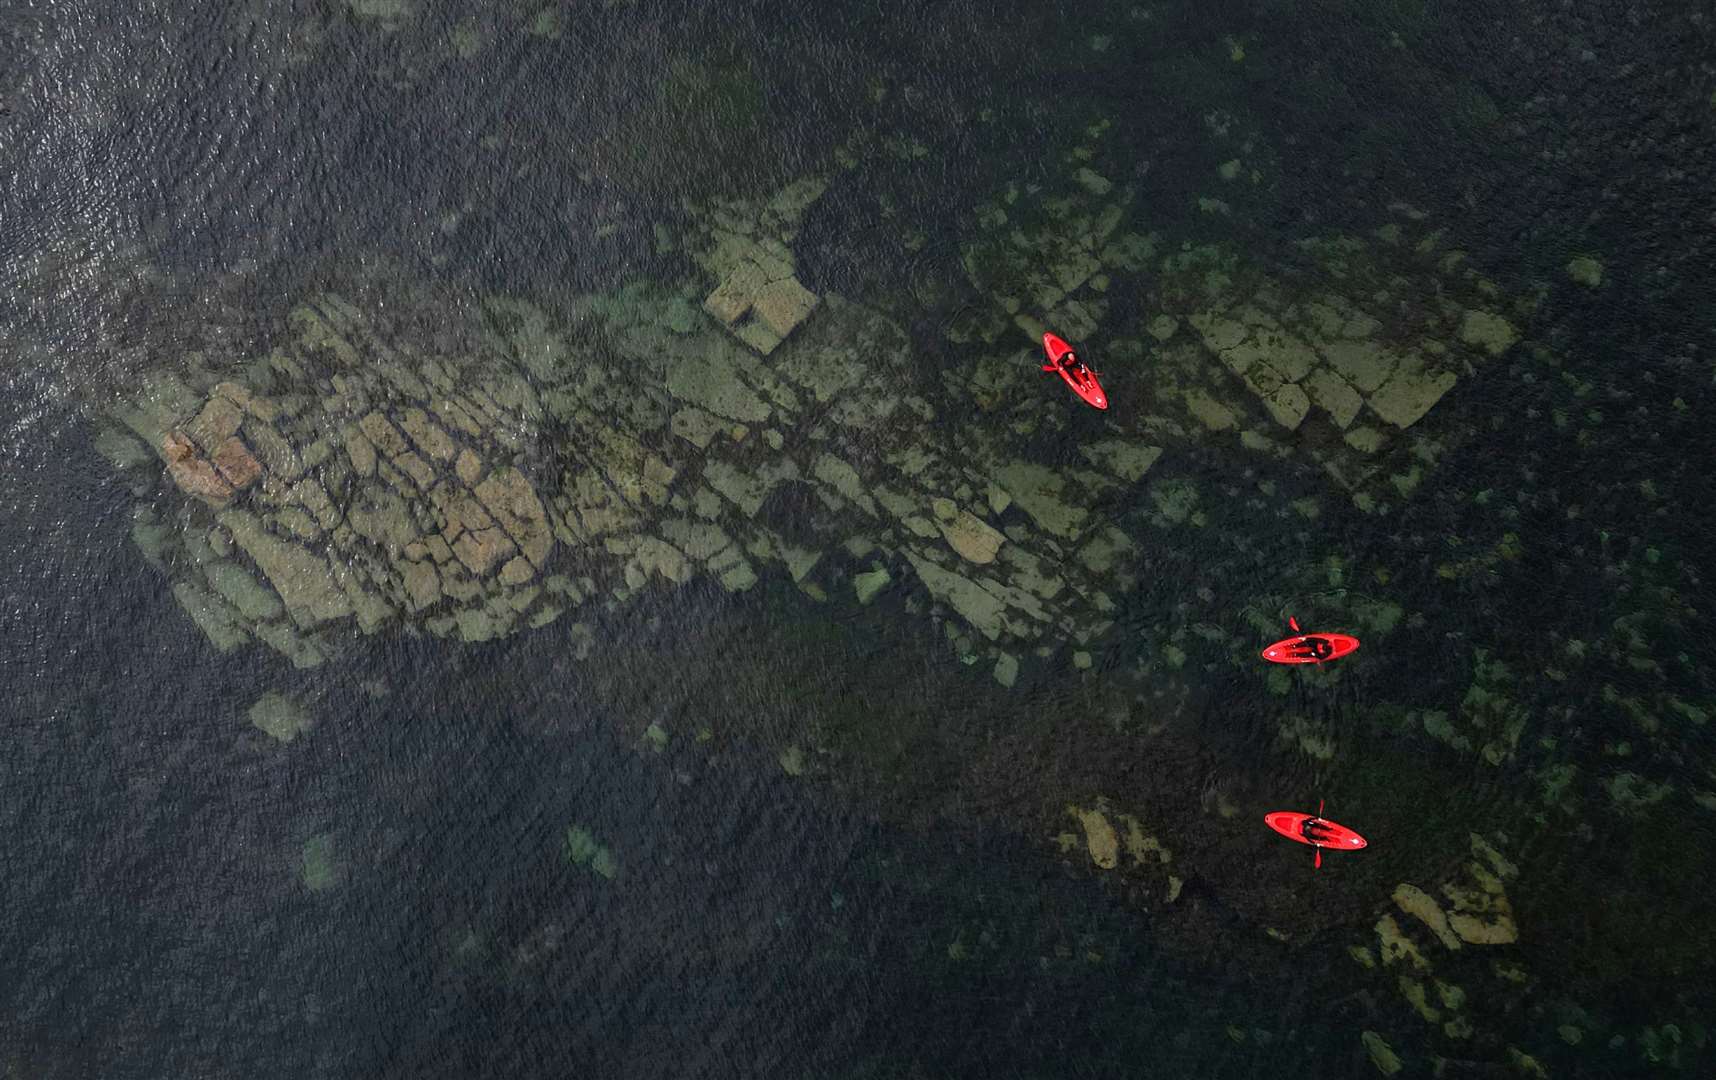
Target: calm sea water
point(900, 912)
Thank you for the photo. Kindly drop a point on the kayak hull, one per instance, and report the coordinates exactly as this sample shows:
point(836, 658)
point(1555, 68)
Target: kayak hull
point(1282, 651)
point(1337, 836)
point(1084, 383)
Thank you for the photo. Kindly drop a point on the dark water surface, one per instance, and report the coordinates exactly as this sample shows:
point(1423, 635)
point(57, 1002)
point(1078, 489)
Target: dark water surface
point(901, 909)
point(159, 926)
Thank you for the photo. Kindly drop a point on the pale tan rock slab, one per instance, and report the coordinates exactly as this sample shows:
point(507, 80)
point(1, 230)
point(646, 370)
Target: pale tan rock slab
point(785, 304)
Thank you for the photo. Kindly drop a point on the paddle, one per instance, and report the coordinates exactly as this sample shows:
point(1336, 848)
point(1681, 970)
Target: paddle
point(1318, 864)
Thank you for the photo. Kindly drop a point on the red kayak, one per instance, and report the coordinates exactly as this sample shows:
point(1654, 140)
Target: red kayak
point(1063, 360)
point(1303, 648)
point(1322, 832)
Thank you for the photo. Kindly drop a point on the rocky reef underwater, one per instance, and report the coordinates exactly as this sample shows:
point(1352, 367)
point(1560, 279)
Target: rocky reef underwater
point(353, 482)
point(549, 462)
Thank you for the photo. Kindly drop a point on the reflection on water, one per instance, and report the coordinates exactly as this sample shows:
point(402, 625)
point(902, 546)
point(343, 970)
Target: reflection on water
point(579, 569)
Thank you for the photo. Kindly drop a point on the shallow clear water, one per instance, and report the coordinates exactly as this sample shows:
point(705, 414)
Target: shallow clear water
point(787, 829)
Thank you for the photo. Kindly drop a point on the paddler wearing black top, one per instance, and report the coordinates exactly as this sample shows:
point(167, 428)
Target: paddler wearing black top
point(1315, 647)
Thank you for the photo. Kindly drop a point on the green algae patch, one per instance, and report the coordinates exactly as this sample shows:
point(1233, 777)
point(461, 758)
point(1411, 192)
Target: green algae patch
point(581, 849)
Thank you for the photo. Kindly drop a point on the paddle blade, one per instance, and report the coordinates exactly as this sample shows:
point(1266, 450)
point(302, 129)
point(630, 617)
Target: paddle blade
point(1294, 623)
point(1318, 865)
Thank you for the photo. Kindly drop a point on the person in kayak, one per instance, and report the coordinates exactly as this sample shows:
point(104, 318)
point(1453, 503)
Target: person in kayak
point(1315, 831)
point(1313, 647)
point(1075, 367)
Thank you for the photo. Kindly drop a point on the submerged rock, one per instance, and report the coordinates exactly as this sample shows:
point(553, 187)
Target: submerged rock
point(1420, 904)
point(407, 519)
point(1127, 460)
point(1488, 331)
point(582, 849)
point(222, 624)
point(370, 481)
point(1469, 910)
point(1382, 1055)
point(1585, 270)
point(279, 717)
point(980, 606)
point(967, 534)
point(303, 578)
point(320, 866)
point(865, 586)
point(758, 299)
point(1038, 490)
point(1100, 839)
